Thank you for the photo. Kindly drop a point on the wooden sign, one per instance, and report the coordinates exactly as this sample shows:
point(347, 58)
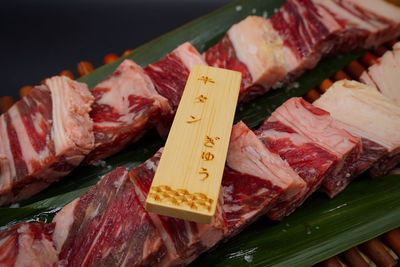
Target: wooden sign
point(188, 178)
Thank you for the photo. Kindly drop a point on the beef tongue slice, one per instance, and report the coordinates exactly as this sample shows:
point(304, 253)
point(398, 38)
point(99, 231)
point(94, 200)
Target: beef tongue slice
point(365, 24)
point(309, 160)
point(28, 244)
point(320, 128)
point(169, 76)
point(126, 106)
point(366, 113)
point(184, 240)
point(257, 181)
point(44, 136)
point(107, 226)
point(253, 48)
point(385, 74)
point(308, 31)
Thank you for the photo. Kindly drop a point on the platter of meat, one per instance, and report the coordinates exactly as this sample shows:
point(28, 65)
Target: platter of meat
point(297, 184)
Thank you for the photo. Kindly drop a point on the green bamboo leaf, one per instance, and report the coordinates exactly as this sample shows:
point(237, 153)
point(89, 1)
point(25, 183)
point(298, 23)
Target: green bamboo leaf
point(319, 229)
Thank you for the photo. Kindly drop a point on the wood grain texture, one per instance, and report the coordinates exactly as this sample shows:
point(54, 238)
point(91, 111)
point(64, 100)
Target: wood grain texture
point(188, 178)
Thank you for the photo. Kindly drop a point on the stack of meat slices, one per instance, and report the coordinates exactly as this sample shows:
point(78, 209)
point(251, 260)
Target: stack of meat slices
point(109, 224)
point(268, 53)
point(133, 100)
point(43, 137)
point(184, 240)
point(312, 162)
point(249, 160)
point(297, 149)
point(384, 75)
point(376, 122)
point(49, 132)
point(305, 136)
point(364, 23)
point(271, 52)
point(107, 227)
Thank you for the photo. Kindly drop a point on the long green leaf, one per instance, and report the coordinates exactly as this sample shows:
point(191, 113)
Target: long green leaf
point(320, 228)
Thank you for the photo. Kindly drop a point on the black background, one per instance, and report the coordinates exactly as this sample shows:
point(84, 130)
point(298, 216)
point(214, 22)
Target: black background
point(38, 39)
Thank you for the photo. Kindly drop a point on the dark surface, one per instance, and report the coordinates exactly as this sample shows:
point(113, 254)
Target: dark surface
point(40, 39)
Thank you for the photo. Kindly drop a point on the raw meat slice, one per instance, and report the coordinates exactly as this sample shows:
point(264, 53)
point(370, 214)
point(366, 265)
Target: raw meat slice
point(382, 14)
point(385, 74)
point(365, 23)
point(107, 227)
point(126, 106)
point(377, 120)
point(184, 240)
point(253, 48)
point(366, 78)
point(308, 31)
point(28, 244)
point(44, 136)
point(310, 161)
point(371, 152)
point(384, 165)
point(169, 76)
point(319, 127)
point(263, 182)
point(246, 198)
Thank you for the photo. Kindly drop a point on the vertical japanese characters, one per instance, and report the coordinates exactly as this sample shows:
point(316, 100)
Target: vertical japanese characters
point(186, 184)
